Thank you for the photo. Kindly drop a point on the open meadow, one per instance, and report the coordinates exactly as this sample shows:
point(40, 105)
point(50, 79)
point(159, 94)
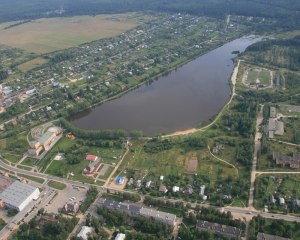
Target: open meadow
point(48, 35)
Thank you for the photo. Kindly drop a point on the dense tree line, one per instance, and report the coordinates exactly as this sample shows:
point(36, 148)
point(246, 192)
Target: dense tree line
point(214, 215)
point(284, 53)
point(156, 145)
point(274, 227)
point(98, 134)
point(91, 196)
point(47, 231)
point(284, 11)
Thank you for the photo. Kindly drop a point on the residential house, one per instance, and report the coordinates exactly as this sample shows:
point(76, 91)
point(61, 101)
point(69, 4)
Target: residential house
point(163, 188)
point(91, 157)
point(92, 168)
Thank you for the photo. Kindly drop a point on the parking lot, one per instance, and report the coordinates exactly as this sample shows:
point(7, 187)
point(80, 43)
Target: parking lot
point(64, 196)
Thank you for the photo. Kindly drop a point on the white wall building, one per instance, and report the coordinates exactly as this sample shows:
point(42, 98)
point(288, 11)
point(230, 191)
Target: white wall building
point(19, 195)
point(84, 233)
point(120, 236)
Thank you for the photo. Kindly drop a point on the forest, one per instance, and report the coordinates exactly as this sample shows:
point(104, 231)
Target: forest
point(280, 9)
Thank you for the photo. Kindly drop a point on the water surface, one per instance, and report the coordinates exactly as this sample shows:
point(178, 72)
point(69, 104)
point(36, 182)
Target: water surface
point(186, 97)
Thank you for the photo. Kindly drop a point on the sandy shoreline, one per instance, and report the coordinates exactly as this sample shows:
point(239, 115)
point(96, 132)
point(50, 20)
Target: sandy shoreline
point(193, 130)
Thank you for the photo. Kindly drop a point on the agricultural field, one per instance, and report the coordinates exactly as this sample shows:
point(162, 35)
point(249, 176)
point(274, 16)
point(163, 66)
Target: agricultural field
point(48, 35)
point(285, 186)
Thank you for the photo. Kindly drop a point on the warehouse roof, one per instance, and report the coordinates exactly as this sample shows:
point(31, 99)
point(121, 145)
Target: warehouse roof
point(17, 193)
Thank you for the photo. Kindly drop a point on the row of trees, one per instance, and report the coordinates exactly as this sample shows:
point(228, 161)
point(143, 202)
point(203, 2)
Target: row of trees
point(99, 134)
point(274, 227)
point(91, 196)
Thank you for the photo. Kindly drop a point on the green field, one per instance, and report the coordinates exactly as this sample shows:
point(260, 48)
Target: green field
point(35, 179)
point(52, 34)
point(24, 67)
point(29, 162)
point(62, 168)
point(258, 76)
point(57, 185)
point(11, 157)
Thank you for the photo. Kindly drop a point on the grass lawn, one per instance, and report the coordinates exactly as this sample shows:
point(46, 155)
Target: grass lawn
point(265, 77)
point(175, 211)
point(175, 162)
point(61, 168)
point(24, 67)
point(252, 76)
point(57, 185)
point(35, 179)
point(16, 145)
point(11, 157)
point(52, 34)
point(2, 223)
point(24, 167)
point(29, 162)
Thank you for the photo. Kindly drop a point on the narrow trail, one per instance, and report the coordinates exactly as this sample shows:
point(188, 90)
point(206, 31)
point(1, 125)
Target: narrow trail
point(222, 160)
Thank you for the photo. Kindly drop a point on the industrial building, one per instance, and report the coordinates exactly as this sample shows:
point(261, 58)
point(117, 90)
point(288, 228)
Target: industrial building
point(18, 195)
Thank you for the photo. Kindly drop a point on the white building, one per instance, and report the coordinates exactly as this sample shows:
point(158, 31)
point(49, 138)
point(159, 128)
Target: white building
point(19, 195)
point(202, 189)
point(84, 232)
point(120, 236)
point(175, 189)
point(281, 201)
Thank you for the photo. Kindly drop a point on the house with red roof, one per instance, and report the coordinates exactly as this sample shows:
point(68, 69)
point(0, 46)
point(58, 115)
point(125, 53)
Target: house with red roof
point(91, 157)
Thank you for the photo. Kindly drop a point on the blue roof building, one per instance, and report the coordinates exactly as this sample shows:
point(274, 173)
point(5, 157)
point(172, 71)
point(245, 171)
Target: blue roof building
point(120, 180)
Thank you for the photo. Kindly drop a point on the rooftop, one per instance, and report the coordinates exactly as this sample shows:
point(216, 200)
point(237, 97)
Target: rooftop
point(17, 193)
point(263, 236)
point(219, 228)
point(83, 234)
point(45, 137)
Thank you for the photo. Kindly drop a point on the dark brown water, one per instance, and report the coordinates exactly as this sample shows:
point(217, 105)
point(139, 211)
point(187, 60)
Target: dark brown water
point(186, 97)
